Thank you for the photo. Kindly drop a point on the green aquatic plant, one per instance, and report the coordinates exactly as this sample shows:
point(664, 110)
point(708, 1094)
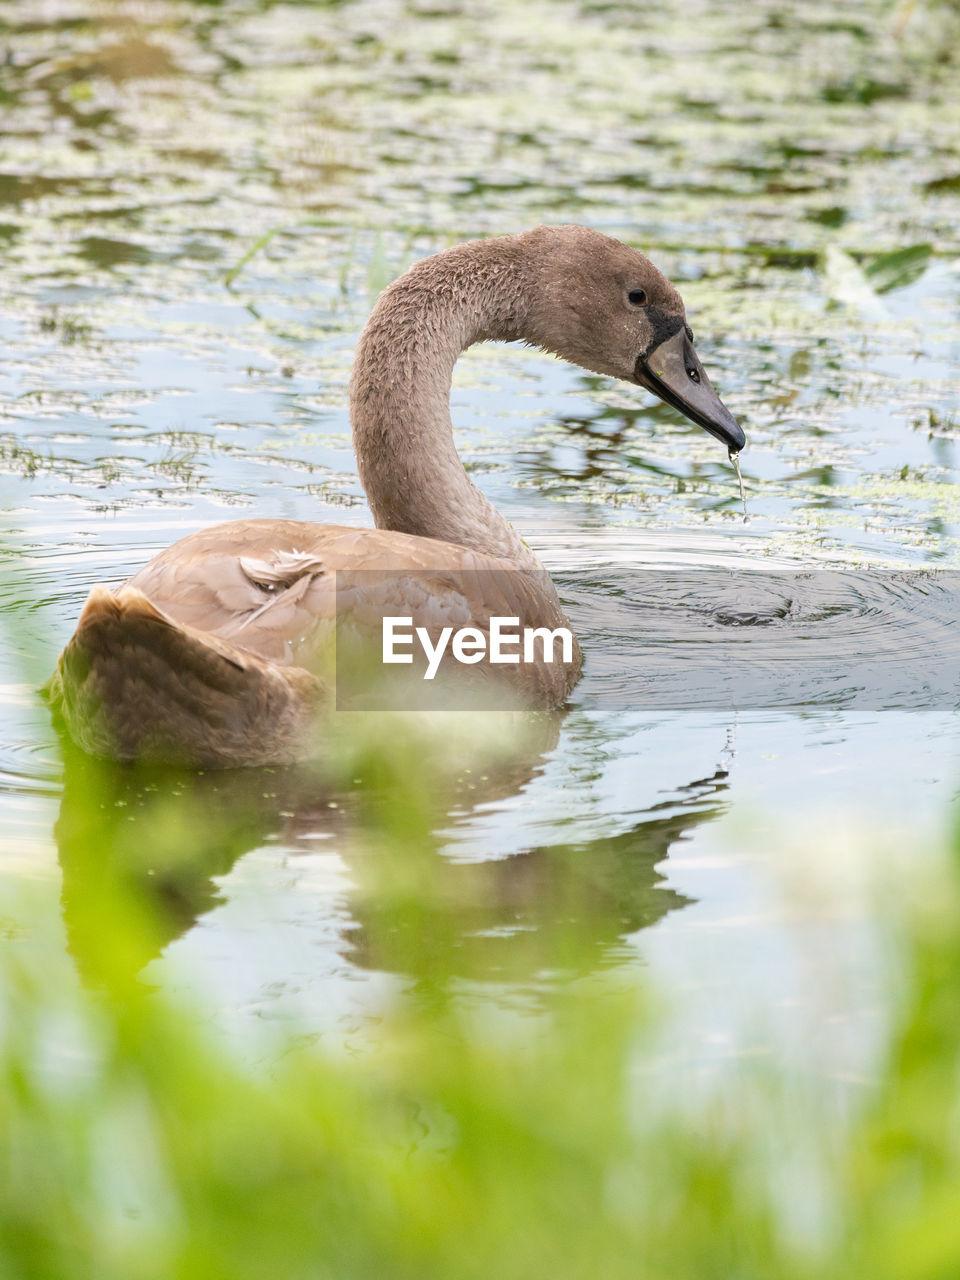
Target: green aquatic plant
point(258, 245)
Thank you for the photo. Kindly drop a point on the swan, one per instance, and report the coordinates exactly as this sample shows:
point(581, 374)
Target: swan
point(216, 653)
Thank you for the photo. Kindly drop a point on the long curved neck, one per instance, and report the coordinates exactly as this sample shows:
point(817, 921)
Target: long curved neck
point(400, 393)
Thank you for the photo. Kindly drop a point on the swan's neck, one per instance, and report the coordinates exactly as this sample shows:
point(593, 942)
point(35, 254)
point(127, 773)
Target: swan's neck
point(400, 394)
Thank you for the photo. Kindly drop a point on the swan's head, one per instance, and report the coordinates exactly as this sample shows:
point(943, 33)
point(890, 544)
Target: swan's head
point(603, 305)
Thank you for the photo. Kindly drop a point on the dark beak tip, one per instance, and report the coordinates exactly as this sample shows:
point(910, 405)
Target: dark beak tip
point(666, 372)
point(733, 437)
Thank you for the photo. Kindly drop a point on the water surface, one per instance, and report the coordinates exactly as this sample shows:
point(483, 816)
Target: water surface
point(198, 203)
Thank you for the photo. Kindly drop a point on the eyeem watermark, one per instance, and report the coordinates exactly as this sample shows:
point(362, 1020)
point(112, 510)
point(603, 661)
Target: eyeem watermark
point(505, 643)
point(451, 639)
point(654, 640)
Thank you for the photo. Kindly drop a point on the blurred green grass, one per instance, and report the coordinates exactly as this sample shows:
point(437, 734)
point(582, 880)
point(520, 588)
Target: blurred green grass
point(138, 1144)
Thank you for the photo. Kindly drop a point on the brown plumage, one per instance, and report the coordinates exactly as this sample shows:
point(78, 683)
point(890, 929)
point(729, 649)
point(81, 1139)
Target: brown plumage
point(218, 652)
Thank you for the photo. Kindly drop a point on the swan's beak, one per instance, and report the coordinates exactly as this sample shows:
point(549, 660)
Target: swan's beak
point(673, 372)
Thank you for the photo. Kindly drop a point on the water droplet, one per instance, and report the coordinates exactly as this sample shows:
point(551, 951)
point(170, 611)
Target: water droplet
point(735, 459)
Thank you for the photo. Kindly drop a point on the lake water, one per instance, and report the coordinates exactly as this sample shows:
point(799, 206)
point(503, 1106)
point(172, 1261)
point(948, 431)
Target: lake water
point(198, 203)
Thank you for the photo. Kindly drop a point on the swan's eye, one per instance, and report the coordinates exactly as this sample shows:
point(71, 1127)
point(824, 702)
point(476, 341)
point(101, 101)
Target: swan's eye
point(693, 375)
point(637, 297)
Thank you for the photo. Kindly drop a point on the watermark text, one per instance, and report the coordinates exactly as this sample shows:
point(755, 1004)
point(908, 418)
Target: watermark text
point(506, 642)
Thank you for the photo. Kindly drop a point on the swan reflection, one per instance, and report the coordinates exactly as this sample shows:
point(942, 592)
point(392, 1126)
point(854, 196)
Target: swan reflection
point(158, 843)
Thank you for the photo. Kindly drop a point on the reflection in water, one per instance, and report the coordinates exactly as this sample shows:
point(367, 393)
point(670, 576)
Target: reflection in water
point(159, 840)
point(156, 841)
point(559, 907)
point(148, 843)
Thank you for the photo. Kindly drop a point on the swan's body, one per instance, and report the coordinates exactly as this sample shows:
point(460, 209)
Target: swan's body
point(217, 651)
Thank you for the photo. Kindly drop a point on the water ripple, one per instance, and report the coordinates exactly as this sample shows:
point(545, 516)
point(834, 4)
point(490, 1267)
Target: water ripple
point(722, 639)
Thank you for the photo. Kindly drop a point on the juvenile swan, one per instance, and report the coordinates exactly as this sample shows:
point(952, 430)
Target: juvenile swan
point(212, 655)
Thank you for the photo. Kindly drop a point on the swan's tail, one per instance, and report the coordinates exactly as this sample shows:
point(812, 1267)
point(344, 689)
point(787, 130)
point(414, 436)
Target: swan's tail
point(134, 684)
